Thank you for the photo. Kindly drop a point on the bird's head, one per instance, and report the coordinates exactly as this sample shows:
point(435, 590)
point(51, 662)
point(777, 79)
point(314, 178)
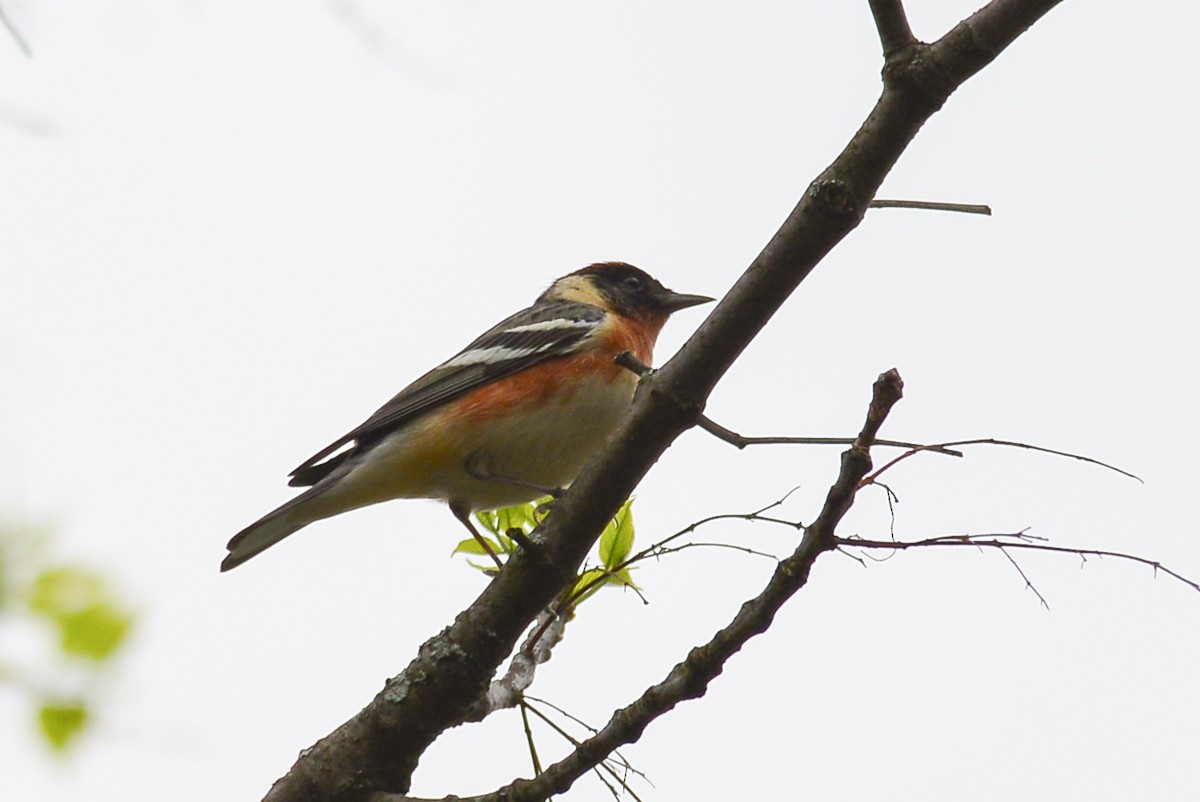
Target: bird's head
point(623, 289)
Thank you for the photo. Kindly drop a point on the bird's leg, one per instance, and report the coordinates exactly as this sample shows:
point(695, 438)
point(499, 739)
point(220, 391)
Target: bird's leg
point(464, 514)
point(477, 471)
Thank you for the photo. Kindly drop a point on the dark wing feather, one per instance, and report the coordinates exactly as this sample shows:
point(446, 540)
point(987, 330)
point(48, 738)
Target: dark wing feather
point(512, 351)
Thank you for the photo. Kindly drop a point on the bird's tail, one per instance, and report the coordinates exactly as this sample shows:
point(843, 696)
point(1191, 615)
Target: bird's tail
point(274, 527)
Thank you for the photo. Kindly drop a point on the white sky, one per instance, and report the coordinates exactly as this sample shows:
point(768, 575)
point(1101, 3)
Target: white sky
point(231, 230)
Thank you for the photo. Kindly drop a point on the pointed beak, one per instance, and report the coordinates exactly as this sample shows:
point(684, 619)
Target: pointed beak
point(674, 301)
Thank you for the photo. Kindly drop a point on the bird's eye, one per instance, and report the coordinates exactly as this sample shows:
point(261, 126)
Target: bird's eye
point(632, 283)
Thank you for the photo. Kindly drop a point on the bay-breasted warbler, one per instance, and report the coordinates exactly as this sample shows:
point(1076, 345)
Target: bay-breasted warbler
point(516, 413)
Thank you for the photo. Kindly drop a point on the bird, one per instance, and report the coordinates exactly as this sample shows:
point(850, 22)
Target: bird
point(512, 417)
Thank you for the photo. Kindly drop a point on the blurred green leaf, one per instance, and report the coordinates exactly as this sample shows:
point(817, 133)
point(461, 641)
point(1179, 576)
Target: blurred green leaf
point(90, 621)
point(617, 540)
point(57, 591)
point(90, 625)
point(61, 722)
point(94, 632)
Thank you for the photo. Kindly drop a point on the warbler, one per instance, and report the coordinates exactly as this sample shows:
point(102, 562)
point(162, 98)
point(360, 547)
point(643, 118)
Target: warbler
point(514, 415)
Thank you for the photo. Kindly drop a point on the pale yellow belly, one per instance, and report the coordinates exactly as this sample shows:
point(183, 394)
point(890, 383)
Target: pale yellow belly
point(545, 444)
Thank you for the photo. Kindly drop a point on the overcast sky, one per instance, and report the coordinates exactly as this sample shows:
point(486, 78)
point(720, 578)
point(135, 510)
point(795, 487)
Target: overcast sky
point(231, 230)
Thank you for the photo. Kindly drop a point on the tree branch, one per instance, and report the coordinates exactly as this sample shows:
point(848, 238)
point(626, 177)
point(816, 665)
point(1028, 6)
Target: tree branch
point(933, 206)
point(892, 23)
point(740, 441)
point(16, 34)
point(991, 441)
point(1013, 541)
point(690, 678)
point(379, 748)
point(508, 690)
point(627, 360)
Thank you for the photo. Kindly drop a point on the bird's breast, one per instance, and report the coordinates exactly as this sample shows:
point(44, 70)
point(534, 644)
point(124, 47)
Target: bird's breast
point(539, 426)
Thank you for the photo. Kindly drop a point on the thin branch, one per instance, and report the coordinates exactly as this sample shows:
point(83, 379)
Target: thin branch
point(16, 35)
point(533, 754)
point(627, 360)
point(894, 32)
point(661, 547)
point(1018, 540)
point(562, 712)
point(933, 206)
point(620, 761)
point(603, 765)
point(741, 441)
point(703, 544)
point(1025, 577)
point(990, 441)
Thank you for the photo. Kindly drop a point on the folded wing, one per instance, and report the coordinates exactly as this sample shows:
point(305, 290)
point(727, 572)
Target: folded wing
point(530, 337)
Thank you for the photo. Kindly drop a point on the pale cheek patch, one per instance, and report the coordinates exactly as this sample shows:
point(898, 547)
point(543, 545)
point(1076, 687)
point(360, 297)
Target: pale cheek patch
point(577, 289)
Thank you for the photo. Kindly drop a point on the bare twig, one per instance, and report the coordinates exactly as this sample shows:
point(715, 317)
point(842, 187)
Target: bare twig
point(933, 206)
point(662, 547)
point(533, 754)
point(603, 765)
point(16, 35)
point(741, 441)
point(627, 360)
point(625, 765)
point(1025, 577)
point(702, 544)
point(990, 441)
point(1015, 540)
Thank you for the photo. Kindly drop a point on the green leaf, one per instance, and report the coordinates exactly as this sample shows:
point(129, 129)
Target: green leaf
point(507, 546)
point(516, 517)
point(488, 568)
point(63, 590)
point(624, 578)
point(468, 546)
point(94, 632)
point(617, 541)
point(89, 624)
point(61, 722)
point(593, 579)
point(488, 519)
